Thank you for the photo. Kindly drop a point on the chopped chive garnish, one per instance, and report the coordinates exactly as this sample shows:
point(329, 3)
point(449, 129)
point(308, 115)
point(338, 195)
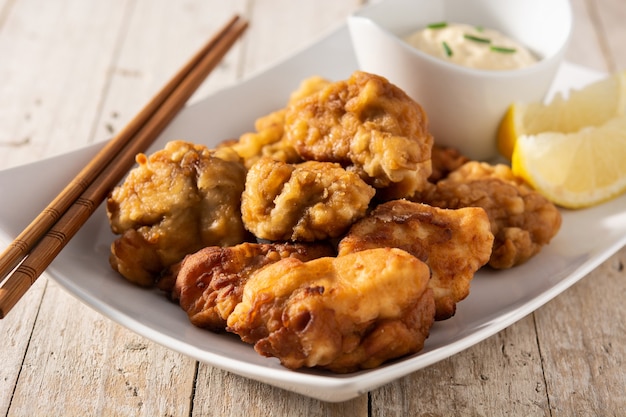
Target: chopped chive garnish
point(503, 50)
point(479, 28)
point(476, 38)
point(446, 47)
point(437, 25)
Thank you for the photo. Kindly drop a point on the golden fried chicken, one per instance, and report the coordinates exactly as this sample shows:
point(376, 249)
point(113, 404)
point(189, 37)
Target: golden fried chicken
point(522, 220)
point(368, 125)
point(302, 202)
point(453, 243)
point(176, 201)
point(308, 87)
point(210, 282)
point(444, 161)
point(342, 314)
point(267, 139)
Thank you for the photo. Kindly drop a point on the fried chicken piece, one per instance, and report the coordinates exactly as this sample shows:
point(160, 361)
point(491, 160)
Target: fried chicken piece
point(210, 282)
point(453, 243)
point(302, 202)
point(176, 201)
point(367, 125)
point(522, 220)
point(444, 161)
point(342, 314)
point(308, 87)
point(266, 141)
point(268, 137)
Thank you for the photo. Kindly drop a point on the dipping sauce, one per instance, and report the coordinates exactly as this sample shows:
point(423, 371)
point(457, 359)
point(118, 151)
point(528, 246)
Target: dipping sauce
point(471, 46)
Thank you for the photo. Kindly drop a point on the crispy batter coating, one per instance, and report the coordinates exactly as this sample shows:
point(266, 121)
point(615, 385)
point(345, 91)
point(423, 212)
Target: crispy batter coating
point(368, 125)
point(522, 220)
point(444, 161)
point(302, 202)
point(343, 314)
point(178, 200)
point(266, 140)
point(453, 243)
point(308, 87)
point(268, 137)
point(210, 282)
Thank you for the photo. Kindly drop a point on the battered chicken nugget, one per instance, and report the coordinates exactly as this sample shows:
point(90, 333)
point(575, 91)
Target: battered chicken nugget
point(367, 125)
point(453, 243)
point(210, 282)
point(268, 137)
point(302, 202)
point(342, 314)
point(522, 220)
point(180, 199)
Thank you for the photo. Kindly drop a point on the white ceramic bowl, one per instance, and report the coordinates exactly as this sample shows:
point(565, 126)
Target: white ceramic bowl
point(464, 105)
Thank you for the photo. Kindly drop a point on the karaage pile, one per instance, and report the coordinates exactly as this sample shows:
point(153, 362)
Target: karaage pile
point(338, 313)
point(453, 243)
point(175, 202)
point(333, 236)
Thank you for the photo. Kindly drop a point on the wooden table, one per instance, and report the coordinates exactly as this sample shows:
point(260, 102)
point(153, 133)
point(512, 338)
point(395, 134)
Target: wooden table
point(74, 71)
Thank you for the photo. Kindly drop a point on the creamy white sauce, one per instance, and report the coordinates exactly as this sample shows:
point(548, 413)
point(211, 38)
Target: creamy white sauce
point(472, 46)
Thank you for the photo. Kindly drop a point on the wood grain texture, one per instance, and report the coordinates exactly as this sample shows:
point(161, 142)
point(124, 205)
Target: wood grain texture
point(501, 373)
point(88, 360)
point(75, 71)
point(582, 335)
point(16, 337)
point(585, 43)
point(611, 31)
point(241, 397)
point(57, 61)
point(154, 30)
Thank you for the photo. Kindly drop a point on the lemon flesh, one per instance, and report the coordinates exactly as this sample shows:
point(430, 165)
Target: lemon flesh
point(593, 105)
point(575, 170)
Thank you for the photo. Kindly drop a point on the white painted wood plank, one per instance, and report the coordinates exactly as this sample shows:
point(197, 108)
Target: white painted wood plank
point(282, 27)
point(56, 60)
point(501, 373)
point(222, 394)
point(582, 336)
point(611, 18)
point(585, 44)
point(79, 364)
point(160, 38)
point(40, 44)
point(16, 330)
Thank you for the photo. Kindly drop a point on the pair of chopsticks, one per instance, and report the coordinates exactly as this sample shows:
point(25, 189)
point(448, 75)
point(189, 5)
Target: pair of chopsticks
point(26, 258)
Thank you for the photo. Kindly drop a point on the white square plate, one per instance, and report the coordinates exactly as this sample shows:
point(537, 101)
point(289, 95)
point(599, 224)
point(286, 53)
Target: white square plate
point(497, 299)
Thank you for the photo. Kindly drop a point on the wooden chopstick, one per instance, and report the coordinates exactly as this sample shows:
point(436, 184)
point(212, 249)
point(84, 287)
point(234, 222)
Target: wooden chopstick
point(37, 246)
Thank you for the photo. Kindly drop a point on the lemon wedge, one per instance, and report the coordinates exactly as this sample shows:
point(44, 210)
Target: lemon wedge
point(575, 170)
point(593, 105)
